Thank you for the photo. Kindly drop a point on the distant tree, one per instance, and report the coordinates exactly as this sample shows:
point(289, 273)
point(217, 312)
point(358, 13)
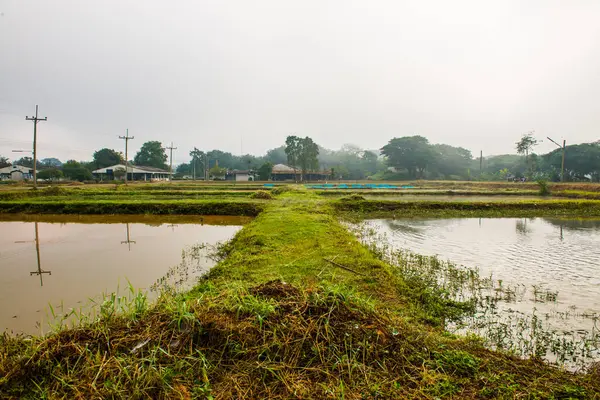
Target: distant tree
point(27, 162)
point(51, 163)
point(4, 162)
point(412, 153)
point(107, 157)
point(526, 144)
point(265, 171)
point(582, 162)
point(76, 171)
point(451, 162)
point(119, 173)
point(302, 153)
point(276, 155)
point(218, 172)
point(50, 174)
point(152, 154)
point(197, 163)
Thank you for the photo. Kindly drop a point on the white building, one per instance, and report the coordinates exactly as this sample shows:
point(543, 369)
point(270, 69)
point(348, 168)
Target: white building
point(134, 173)
point(15, 173)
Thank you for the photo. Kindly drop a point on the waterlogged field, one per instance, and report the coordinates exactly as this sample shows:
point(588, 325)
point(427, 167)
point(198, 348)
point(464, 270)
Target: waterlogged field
point(52, 265)
point(534, 280)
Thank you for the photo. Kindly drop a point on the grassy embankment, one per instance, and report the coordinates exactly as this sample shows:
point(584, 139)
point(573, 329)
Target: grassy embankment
point(275, 319)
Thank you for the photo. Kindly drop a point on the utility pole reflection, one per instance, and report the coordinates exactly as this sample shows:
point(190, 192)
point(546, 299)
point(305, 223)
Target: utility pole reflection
point(39, 271)
point(128, 241)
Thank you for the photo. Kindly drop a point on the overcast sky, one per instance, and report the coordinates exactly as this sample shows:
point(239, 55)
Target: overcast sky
point(242, 75)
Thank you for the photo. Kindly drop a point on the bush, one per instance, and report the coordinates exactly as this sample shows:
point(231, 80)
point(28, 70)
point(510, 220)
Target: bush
point(280, 190)
point(544, 189)
point(261, 194)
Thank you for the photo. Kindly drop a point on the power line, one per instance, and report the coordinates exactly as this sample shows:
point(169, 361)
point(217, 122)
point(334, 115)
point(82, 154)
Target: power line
point(127, 138)
point(35, 122)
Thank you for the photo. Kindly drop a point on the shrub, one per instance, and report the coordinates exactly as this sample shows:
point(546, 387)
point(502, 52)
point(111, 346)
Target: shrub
point(261, 194)
point(544, 189)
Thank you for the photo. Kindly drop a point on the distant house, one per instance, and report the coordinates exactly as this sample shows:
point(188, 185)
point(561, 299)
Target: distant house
point(239, 175)
point(134, 173)
point(283, 172)
point(16, 173)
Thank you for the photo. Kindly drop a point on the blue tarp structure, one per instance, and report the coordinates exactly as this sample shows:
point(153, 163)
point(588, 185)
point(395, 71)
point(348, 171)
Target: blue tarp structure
point(358, 186)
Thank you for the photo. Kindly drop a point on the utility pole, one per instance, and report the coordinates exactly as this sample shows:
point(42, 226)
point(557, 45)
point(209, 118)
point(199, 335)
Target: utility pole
point(171, 161)
point(562, 164)
point(35, 122)
point(480, 161)
point(127, 138)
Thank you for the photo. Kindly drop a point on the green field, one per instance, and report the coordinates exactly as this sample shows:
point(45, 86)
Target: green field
point(297, 307)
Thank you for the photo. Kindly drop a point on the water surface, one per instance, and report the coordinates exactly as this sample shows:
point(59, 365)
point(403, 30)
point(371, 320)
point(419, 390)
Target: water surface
point(543, 272)
point(67, 260)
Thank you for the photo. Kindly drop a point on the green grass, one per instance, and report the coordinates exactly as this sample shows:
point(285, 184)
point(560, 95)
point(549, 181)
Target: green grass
point(297, 308)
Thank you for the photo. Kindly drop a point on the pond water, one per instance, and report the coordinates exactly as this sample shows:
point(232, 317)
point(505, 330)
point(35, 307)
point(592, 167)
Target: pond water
point(542, 270)
point(67, 262)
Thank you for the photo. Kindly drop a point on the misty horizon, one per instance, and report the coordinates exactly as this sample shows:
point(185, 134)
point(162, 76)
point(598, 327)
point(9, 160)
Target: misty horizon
point(240, 77)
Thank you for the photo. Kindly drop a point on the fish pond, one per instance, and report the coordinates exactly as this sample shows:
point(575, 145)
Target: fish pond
point(535, 281)
point(53, 266)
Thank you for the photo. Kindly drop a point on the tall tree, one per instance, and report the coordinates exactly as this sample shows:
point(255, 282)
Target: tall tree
point(412, 153)
point(152, 154)
point(302, 153)
point(107, 157)
point(4, 162)
point(197, 163)
point(525, 146)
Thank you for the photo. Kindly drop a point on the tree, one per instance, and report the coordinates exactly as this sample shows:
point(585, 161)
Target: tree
point(27, 162)
point(152, 154)
point(265, 171)
point(582, 162)
point(276, 155)
point(4, 162)
point(50, 174)
point(525, 145)
point(51, 163)
point(412, 153)
point(217, 172)
point(76, 171)
point(197, 164)
point(451, 162)
point(107, 157)
point(302, 153)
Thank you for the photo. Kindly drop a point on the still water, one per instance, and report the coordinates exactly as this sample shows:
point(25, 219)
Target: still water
point(542, 271)
point(66, 261)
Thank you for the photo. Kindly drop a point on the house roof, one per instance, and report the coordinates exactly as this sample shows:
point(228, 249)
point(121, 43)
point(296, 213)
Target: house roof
point(135, 169)
point(283, 169)
point(12, 168)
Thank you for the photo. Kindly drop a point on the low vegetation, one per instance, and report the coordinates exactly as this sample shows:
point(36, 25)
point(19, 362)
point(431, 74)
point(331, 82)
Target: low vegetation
point(296, 308)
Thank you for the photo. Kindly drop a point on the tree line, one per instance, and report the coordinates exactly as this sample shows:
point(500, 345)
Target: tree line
point(402, 158)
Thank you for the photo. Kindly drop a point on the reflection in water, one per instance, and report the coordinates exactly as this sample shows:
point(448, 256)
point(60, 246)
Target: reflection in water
point(39, 271)
point(86, 261)
point(128, 241)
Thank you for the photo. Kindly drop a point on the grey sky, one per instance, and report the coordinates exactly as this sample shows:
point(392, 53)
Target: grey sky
point(209, 74)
